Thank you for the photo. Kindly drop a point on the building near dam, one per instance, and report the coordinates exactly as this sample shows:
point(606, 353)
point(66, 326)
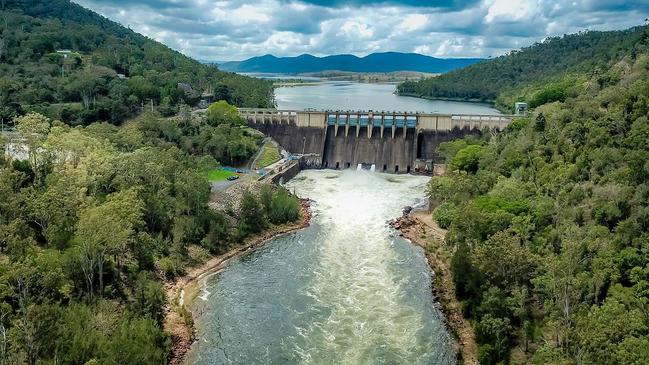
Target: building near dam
point(396, 142)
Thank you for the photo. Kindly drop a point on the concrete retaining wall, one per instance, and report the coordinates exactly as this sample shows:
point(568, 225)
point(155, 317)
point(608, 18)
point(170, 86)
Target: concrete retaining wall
point(302, 140)
point(284, 173)
point(428, 141)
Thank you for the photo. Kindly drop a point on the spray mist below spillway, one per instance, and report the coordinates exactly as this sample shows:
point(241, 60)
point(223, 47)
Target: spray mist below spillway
point(346, 290)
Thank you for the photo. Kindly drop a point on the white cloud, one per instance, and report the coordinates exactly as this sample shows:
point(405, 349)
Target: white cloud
point(414, 22)
point(248, 13)
point(511, 11)
point(354, 29)
point(237, 29)
point(283, 41)
point(423, 49)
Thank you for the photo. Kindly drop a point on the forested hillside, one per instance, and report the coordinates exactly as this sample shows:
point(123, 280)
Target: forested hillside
point(98, 217)
point(549, 222)
point(110, 73)
point(542, 63)
point(103, 210)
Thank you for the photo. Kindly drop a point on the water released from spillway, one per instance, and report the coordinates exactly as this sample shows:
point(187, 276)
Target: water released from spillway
point(346, 290)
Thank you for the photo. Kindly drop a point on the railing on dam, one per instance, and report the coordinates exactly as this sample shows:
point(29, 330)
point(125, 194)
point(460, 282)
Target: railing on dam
point(372, 119)
point(384, 119)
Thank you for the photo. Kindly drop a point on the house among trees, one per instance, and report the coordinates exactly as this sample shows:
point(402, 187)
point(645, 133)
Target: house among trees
point(520, 109)
point(187, 88)
point(64, 52)
point(207, 98)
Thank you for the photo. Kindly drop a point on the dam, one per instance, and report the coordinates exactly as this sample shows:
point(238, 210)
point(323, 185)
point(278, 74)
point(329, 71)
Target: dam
point(394, 142)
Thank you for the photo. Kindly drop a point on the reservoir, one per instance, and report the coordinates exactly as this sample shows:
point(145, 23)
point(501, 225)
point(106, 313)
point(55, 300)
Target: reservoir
point(347, 95)
point(346, 290)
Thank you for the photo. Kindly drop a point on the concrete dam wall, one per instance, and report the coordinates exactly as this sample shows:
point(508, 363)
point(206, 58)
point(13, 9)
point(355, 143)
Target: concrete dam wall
point(386, 154)
point(384, 141)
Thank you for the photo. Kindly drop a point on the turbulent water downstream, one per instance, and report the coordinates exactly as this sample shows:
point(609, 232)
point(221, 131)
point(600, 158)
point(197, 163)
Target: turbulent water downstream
point(346, 290)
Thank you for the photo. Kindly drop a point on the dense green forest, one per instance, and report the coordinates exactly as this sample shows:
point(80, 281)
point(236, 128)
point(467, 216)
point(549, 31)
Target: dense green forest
point(549, 220)
point(546, 64)
point(112, 199)
point(110, 74)
point(97, 218)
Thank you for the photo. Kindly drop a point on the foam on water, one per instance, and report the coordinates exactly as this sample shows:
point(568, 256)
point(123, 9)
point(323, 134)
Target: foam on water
point(356, 280)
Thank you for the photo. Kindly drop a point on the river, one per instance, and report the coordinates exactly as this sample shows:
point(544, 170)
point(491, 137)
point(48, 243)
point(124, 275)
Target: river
point(346, 290)
point(347, 95)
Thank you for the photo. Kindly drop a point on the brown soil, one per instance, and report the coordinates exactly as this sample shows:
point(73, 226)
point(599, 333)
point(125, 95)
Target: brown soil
point(181, 292)
point(421, 229)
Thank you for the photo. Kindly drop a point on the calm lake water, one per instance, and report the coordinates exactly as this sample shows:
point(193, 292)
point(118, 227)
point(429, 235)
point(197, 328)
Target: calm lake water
point(347, 95)
point(346, 290)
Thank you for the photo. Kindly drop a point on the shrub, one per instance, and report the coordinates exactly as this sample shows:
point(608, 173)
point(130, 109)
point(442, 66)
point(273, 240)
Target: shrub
point(168, 266)
point(251, 215)
point(467, 159)
point(284, 207)
point(444, 214)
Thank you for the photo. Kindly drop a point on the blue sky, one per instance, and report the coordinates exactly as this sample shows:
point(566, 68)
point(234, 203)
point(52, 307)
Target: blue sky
point(227, 30)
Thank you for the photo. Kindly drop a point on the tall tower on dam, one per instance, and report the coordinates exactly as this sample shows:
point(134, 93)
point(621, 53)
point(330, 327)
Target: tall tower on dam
point(388, 141)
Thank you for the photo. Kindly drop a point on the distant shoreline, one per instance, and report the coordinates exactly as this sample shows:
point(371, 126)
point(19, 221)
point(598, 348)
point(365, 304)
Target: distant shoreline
point(490, 102)
point(310, 78)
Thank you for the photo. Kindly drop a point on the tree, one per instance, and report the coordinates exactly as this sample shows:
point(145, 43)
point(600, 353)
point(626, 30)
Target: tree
point(465, 277)
point(16, 239)
point(148, 298)
point(504, 260)
point(222, 92)
point(221, 112)
point(107, 229)
point(56, 208)
point(251, 215)
point(88, 82)
point(137, 341)
point(218, 234)
point(33, 127)
point(496, 333)
point(467, 159)
point(266, 198)
point(444, 214)
point(8, 106)
point(284, 207)
point(35, 333)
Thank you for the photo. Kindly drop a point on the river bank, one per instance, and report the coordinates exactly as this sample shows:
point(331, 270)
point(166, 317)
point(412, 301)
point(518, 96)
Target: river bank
point(179, 318)
point(463, 100)
point(420, 228)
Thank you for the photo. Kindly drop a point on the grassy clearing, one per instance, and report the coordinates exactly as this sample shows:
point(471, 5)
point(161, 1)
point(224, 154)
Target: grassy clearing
point(269, 155)
point(218, 175)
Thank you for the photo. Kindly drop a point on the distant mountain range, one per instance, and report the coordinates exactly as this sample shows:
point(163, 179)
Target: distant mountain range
point(375, 62)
